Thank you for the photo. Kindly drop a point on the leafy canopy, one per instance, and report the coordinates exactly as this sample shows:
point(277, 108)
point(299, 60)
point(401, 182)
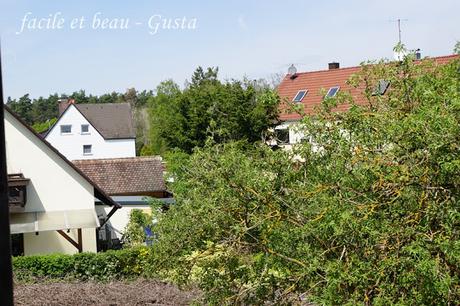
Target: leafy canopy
point(209, 109)
point(365, 213)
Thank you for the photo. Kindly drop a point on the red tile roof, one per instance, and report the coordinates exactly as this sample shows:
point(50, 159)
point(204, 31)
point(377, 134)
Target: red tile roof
point(324, 79)
point(126, 176)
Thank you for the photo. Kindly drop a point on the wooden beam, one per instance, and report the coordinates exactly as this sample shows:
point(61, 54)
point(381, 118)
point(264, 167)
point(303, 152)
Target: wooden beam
point(78, 245)
point(80, 241)
point(114, 209)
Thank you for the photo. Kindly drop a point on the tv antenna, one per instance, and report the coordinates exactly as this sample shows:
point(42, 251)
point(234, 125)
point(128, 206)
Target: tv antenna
point(399, 20)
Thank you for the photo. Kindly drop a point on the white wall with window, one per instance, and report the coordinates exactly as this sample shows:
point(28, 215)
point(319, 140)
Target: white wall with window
point(51, 181)
point(75, 138)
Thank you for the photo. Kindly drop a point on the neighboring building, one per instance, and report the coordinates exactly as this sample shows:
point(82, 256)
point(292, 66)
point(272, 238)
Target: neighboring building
point(52, 203)
point(131, 182)
point(305, 89)
point(91, 131)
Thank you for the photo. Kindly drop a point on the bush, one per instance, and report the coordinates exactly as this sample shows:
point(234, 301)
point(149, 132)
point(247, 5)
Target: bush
point(365, 213)
point(105, 266)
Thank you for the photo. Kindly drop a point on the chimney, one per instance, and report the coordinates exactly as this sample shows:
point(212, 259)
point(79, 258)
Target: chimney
point(334, 65)
point(292, 71)
point(63, 103)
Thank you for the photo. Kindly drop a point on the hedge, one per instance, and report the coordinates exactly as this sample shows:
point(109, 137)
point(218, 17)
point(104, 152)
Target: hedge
point(114, 264)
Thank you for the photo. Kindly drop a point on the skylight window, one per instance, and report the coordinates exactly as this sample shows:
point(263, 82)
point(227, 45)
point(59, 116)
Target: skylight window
point(332, 92)
point(300, 95)
point(381, 88)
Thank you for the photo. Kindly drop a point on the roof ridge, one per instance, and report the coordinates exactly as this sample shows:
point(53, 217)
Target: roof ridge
point(359, 66)
point(135, 158)
point(101, 104)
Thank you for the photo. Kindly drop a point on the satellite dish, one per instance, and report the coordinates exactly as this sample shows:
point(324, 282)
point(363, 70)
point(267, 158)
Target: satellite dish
point(292, 70)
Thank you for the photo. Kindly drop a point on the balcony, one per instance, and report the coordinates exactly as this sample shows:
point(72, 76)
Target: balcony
point(17, 192)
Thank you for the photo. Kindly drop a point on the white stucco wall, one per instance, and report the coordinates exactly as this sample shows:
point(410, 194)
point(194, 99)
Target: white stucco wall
point(71, 145)
point(295, 135)
point(52, 242)
point(120, 219)
point(54, 186)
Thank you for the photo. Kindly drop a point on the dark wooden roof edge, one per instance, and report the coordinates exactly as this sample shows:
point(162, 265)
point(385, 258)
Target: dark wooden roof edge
point(98, 192)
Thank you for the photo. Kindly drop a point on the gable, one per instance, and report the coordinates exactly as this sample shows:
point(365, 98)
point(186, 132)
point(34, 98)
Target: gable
point(72, 116)
point(55, 183)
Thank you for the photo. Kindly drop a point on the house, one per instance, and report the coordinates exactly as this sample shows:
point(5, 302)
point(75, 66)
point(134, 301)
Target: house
point(90, 131)
point(308, 89)
point(52, 202)
point(132, 183)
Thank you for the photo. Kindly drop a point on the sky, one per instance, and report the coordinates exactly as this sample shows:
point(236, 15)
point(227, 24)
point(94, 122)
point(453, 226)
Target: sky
point(47, 48)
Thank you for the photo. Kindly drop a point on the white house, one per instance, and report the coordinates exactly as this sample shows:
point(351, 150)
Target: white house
point(305, 91)
point(92, 131)
point(52, 203)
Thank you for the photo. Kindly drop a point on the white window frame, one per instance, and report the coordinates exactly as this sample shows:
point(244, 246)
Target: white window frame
point(81, 129)
point(90, 150)
point(65, 133)
point(330, 89)
point(304, 95)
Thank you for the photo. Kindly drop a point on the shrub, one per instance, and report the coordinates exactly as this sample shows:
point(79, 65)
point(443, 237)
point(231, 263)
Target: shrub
point(365, 213)
point(109, 265)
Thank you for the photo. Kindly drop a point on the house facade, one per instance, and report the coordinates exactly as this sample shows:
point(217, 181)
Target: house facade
point(52, 203)
point(92, 131)
point(307, 90)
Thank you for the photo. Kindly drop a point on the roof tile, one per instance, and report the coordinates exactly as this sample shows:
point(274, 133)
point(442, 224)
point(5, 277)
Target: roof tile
point(314, 81)
point(122, 176)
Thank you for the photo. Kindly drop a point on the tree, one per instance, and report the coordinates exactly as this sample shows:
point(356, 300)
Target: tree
point(367, 213)
point(457, 48)
point(22, 108)
point(208, 109)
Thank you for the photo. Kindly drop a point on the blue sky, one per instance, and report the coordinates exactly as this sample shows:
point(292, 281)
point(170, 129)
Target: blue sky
point(250, 38)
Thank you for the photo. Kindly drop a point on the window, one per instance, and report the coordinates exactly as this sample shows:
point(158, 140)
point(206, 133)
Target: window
point(17, 195)
point(300, 95)
point(14, 195)
point(381, 88)
point(85, 129)
point(332, 91)
point(66, 129)
point(17, 191)
point(282, 135)
point(87, 149)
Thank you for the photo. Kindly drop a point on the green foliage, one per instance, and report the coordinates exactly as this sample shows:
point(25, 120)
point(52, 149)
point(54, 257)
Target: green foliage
point(366, 213)
point(41, 127)
point(209, 109)
point(22, 107)
point(105, 266)
point(457, 48)
point(134, 232)
point(39, 110)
